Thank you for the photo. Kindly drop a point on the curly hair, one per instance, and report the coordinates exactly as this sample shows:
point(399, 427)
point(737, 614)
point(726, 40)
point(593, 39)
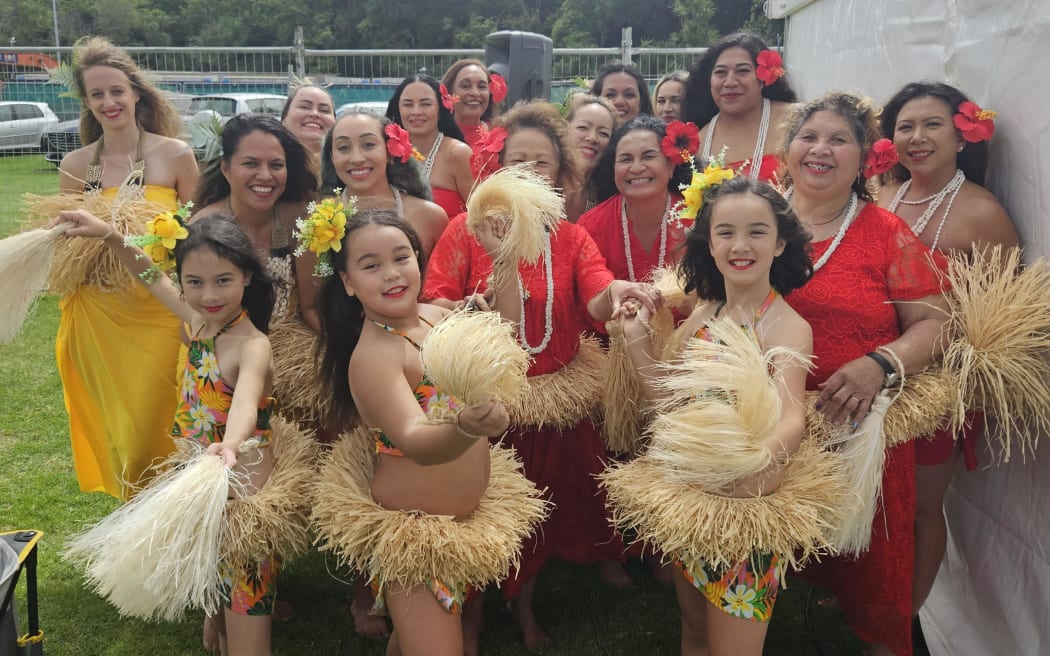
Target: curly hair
point(453, 71)
point(972, 160)
point(406, 176)
point(446, 123)
point(545, 117)
point(699, 105)
point(789, 271)
point(858, 111)
point(617, 66)
point(604, 177)
point(153, 111)
point(301, 183)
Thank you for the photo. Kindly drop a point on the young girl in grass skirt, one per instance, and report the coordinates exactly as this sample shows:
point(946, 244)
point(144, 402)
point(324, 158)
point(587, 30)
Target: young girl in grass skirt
point(409, 518)
point(746, 249)
point(225, 299)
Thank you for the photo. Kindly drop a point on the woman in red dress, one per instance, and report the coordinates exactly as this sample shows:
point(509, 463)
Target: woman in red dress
point(635, 223)
point(875, 305)
point(470, 81)
point(937, 189)
point(418, 106)
point(737, 94)
point(568, 281)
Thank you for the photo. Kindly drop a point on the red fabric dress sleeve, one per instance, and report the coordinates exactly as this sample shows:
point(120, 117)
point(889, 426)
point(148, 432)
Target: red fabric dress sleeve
point(591, 274)
point(455, 263)
point(914, 270)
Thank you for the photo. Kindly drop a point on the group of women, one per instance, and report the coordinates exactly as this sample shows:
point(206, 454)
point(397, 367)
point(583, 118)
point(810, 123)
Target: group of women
point(874, 301)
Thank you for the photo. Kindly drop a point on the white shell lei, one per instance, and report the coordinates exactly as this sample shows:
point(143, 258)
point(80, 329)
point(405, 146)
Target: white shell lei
point(627, 236)
point(760, 144)
point(428, 164)
point(851, 215)
point(548, 319)
point(935, 201)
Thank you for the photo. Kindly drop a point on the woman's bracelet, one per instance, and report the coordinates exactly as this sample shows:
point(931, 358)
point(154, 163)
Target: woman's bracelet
point(893, 356)
point(468, 434)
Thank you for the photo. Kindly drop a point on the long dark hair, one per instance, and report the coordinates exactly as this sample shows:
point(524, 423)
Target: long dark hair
point(972, 160)
point(342, 315)
point(301, 182)
point(603, 177)
point(790, 270)
point(617, 66)
point(221, 234)
point(403, 175)
point(446, 123)
point(699, 105)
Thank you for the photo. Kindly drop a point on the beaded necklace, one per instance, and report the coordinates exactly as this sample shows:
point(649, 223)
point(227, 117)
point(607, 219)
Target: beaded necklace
point(760, 144)
point(851, 215)
point(428, 164)
point(627, 236)
point(935, 201)
point(548, 319)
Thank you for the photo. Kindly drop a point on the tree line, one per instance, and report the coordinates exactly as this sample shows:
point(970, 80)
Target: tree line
point(366, 24)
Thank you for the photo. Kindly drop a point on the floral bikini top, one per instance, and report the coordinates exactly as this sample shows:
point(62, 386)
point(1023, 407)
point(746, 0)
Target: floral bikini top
point(705, 333)
point(427, 395)
point(205, 398)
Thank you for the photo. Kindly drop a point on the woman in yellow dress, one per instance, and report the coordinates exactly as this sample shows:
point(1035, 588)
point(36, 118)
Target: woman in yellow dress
point(107, 334)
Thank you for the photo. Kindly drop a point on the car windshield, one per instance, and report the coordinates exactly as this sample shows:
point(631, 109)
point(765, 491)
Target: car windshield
point(224, 106)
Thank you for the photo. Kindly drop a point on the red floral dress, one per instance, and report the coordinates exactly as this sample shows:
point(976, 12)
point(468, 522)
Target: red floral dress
point(768, 170)
point(847, 304)
point(565, 462)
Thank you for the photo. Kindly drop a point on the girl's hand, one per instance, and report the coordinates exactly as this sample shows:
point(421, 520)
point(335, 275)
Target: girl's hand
point(491, 233)
point(848, 393)
point(85, 224)
point(228, 452)
point(488, 419)
point(482, 302)
point(644, 295)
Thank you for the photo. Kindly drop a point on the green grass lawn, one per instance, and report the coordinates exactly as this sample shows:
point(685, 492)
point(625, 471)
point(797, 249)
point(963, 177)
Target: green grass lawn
point(38, 490)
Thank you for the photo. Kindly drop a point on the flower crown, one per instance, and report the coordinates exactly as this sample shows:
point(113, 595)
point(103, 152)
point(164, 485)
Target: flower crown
point(974, 123)
point(322, 231)
point(693, 193)
point(681, 142)
point(163, 232)
point(769, 67)
point(399, 144)
point(881, 158)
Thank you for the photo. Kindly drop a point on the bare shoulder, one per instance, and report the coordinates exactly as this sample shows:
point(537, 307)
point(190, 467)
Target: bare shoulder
point(374, 360)
point(433, 313)
point(981, 218)
point(458, 150)
point(206, 211)
point(424, 209)
point(886, 191)
point(166, 146)
point(783, 326)
point(74, 166)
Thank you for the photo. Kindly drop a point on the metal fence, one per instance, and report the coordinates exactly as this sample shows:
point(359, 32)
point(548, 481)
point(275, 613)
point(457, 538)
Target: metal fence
point(352, 76)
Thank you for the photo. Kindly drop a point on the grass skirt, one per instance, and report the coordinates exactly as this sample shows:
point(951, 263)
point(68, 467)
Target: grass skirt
point(566, 397)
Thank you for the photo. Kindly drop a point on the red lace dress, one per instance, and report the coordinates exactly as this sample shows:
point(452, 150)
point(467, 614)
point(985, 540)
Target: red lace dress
point(846, 303)
point(565, 462)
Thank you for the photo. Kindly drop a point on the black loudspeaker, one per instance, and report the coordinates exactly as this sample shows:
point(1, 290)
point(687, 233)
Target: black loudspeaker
point(524, 60)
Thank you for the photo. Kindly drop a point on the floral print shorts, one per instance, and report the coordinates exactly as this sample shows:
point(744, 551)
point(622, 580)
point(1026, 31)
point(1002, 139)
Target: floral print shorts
point(747, 590)
point(251, 592)
point(451, 598)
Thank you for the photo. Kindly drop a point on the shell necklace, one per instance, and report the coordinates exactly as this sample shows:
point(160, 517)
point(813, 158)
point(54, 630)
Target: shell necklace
point(851, 215)
point(428, 163)
point(760, 144)
point(627, 236)
point(548, 319)
point(935, 201)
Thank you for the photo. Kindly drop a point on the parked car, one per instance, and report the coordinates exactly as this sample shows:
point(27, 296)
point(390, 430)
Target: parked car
point(221, 107)
point(23, 124)
point(374, 106)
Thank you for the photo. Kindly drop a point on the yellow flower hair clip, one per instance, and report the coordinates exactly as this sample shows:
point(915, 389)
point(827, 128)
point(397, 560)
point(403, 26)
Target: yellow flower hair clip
point(693, 194)
point(322, 231)
point(163, 232)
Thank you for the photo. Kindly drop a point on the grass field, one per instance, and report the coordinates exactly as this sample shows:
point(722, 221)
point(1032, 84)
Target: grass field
point(38, 490)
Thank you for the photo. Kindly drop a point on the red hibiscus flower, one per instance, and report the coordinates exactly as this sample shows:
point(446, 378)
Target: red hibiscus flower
point(881, 158)
point(498, 88)
point(447, 99)
point(398, 144)
point(770, 67)
point(974, 123)
point(493, 141)
point(681, 141)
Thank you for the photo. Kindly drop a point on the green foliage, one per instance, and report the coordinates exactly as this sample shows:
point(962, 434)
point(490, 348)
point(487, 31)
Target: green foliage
point(696, 20)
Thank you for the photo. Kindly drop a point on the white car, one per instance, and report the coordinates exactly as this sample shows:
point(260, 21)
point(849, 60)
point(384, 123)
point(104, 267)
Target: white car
point(374, 106)
point(221, 107)
point(23, 124)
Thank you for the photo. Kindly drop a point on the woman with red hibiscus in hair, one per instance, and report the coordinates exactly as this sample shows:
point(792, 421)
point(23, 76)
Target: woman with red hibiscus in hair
point(942, 139)
point(635, 223)
point(477, 92)
point(424, 108)
point(738, 94)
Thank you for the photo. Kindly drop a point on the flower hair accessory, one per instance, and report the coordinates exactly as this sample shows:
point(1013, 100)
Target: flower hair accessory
point(399, 144)
point(974, 123)
point(681, 142)
point(770, 67)
point(447, 99)
point(497, 87)
point(881, 158)
point(693, 193)
point(323, 230)
point(163, 232)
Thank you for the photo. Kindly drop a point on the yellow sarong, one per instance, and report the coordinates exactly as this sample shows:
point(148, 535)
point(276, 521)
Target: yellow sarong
point(117, 354)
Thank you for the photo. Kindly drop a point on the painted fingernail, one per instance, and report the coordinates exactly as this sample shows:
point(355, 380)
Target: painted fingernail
point(855, 425)
point(819, 405)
